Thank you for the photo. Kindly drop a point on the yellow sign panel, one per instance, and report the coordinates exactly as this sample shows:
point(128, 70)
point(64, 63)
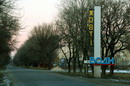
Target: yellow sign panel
point(91, 12)
point(91, 20)
point(91, 33)
point(91, 26)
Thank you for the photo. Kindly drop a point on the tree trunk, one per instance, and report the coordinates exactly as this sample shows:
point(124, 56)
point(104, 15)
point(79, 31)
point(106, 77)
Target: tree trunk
point(49, 65)
point(69, 67)
point(112, 66)
point(74, 60)
point(112, 70)
point(85, 69)
point(74, 65)
point(92, 67)
point(104, 70)
point(79, 65)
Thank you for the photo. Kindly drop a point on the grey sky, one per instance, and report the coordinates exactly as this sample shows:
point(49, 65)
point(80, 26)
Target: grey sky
point(35, 12)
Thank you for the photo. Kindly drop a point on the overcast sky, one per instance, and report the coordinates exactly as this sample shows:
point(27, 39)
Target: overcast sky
point(34, 12)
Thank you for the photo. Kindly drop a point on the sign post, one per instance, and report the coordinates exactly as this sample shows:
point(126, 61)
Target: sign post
point(97, 39)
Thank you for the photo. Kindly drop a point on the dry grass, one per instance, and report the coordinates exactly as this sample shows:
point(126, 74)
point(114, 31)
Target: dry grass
point(120, 76)
point(124, 76)
point(120, 79)
point(76, 74)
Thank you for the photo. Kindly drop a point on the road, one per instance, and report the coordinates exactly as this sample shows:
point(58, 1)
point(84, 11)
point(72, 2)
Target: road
point(30, 77)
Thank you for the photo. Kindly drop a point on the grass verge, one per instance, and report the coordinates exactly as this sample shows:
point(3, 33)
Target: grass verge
point(119, 76)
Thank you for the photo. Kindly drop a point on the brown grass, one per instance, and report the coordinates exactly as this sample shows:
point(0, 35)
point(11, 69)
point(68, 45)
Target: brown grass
point(120, 76)
point(124, 76)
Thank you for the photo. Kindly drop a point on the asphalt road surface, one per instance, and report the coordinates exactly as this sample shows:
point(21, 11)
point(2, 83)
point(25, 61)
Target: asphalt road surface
point(30, 77)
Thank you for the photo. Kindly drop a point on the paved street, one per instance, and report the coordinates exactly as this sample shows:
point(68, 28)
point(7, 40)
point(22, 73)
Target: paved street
point(30, 77)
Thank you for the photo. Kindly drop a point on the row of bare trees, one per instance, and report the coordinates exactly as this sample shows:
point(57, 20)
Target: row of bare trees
point(9, 27)
point(40, 49)
point(73, 28)
point(71, 31)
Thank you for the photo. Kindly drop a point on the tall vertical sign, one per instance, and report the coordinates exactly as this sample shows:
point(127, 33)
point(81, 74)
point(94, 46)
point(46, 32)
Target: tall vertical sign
point(97, 39)
point(91, 27)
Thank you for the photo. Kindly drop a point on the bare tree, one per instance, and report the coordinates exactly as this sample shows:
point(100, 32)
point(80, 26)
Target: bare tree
point(40, 48)
point(48, 42)
point(9, 27)
point(74, 28)
point(115, 26)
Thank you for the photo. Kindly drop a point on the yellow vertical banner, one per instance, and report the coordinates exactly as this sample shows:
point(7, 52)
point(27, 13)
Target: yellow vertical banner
point(91, 26)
